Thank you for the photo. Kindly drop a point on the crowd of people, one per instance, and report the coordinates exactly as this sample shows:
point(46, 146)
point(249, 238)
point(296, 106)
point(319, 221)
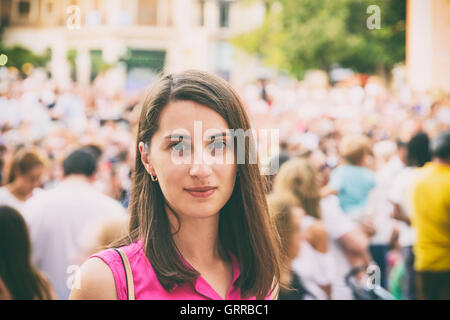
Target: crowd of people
point(361, 179)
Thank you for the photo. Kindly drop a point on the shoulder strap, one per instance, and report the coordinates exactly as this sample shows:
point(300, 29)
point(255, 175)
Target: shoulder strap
point(128, 274)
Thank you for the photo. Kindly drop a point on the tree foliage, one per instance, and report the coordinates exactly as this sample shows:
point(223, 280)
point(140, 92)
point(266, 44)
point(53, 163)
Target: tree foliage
point(298, 35)
point(18, 56)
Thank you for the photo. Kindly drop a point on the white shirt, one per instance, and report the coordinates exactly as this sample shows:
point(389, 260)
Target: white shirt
point(378, 205)
point(337, 224)
point(398, 193)
point(8, 199)
point(57, 220)
point(315, 269)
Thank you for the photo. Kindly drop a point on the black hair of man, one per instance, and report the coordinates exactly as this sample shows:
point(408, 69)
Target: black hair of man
point(80, 162)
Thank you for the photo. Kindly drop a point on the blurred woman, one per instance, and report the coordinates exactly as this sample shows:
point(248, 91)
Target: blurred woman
point(20, 279)
point(24, 176)
point(299, 178)
point(287, 214)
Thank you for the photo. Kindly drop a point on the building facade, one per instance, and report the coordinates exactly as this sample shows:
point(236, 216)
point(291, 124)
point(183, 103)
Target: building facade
point(428, 44)
point(147, 35)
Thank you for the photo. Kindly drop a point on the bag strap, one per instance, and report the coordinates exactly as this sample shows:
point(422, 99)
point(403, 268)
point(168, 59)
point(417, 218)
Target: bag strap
point(128, 274)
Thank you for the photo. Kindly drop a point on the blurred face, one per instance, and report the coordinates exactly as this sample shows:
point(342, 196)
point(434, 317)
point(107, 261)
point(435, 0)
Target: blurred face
point(295, 239)
point(187, 155)
point(26, 182)
point(319, 160)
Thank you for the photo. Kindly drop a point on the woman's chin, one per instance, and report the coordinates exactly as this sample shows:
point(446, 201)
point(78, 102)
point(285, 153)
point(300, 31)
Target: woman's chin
point(201, 212)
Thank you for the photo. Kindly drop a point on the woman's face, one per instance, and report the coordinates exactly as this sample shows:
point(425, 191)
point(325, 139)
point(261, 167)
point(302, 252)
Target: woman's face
point(191, 166)
point(30, 180)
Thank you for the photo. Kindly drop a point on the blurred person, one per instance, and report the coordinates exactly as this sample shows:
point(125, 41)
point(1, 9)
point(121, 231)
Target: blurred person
point(25, 173)
point(431, 220)
point(100, 234)
point(314, 264)
point(19, 279)
point(197, 230)
point(402, 151)
point(275, 163)
point(264, 95)
point(57, 218)
point(348, 243)
point(380, 209)
point(2, 160)
point(287, 214)
point(417, 155)
point(352, 181)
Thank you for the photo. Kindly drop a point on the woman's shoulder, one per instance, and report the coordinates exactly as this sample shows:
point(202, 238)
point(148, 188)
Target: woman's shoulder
point(94, 281)
point(110, 255)
point(102, 275)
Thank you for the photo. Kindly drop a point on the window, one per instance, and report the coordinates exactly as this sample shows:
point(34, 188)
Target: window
point(23, 8)
point(224, 13)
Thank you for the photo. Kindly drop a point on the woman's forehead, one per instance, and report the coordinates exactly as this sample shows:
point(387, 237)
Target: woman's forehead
point(186, 117)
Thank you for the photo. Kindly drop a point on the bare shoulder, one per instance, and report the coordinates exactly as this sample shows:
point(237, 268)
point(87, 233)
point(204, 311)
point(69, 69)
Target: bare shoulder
point(94, 281)
point(318, 236)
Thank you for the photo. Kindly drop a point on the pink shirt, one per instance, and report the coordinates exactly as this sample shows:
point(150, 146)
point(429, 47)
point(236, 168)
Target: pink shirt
point(146, 284)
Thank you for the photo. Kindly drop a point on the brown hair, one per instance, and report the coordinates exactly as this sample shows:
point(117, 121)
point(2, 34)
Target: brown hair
point(24, 160)
point(245, 228)
point(21, 278)
point(280, 207)
point(299, 177)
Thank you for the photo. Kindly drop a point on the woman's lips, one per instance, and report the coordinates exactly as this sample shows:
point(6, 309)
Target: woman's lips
point(201, 194)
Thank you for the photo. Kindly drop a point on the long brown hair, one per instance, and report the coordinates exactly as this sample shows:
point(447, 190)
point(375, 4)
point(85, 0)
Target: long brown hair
point(299, 177)
point(21, 278)
point(245, 228)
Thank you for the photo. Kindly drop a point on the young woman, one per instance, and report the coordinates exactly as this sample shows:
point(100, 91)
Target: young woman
point(199, 224)
point(24, 176)
point(19, 279)
point(314, 264)
point(287, 214)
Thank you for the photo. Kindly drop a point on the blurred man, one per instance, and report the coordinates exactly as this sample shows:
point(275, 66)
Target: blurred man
point(58, 218)
point(431, 219)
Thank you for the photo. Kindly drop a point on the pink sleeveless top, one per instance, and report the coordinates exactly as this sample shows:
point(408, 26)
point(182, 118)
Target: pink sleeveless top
point(146, 284)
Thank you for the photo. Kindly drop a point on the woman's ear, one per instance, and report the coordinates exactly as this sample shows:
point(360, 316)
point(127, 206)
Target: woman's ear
point(145, 158)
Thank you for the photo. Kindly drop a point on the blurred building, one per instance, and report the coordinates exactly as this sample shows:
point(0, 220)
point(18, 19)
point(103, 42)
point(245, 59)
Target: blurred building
point(146, 35)
point(428, 44)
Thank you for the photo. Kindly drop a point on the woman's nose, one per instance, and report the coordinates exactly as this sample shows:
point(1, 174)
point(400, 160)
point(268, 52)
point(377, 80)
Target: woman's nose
point(201, 170)
point(202, 164)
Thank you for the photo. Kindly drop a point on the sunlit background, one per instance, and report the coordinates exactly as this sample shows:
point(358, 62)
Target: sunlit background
point(75, 73)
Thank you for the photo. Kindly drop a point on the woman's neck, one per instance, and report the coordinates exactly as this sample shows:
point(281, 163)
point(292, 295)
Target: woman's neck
point(197, 239)
point(17, 192)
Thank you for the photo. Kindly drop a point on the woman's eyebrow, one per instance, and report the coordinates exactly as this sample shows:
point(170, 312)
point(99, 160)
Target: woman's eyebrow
point(176, 136)
point(219, 135)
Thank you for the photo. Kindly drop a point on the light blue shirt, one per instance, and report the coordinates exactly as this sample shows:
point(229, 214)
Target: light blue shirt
point(353, 184)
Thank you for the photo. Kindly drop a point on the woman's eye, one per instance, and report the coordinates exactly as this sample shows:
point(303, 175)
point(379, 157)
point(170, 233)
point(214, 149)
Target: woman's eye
point(179, 146)
point(218, 145)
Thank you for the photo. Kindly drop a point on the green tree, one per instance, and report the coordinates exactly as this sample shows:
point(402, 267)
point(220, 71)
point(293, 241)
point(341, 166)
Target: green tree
point(18, 56)
point(298, 35)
